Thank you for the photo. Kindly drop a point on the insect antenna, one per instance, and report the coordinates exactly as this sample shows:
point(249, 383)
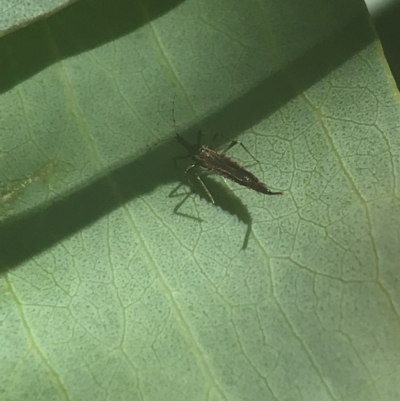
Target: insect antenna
point(179, 138)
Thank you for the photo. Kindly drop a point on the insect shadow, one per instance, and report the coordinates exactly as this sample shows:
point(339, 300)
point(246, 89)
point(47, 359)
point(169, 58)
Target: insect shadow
point(219, 163)
point(223, 197)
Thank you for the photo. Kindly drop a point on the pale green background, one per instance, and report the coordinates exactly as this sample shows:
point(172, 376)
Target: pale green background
point(107, 294)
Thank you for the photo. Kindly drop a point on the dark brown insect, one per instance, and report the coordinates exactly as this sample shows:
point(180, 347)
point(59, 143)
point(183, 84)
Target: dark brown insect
point(223, 165)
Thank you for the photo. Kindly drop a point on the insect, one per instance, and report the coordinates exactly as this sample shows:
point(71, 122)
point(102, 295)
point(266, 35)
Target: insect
point(221, 164)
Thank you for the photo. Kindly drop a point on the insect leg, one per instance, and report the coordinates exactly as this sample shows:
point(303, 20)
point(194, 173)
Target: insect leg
point(190, 167)
point(179, 158)
point(205, 188)
point(235, 142)
point(201, 182)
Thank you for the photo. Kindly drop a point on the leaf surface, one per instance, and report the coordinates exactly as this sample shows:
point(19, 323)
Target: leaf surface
point(117, 283)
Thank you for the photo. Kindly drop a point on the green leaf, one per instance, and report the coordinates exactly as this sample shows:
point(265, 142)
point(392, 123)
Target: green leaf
point(16, 15)
point(117, 283)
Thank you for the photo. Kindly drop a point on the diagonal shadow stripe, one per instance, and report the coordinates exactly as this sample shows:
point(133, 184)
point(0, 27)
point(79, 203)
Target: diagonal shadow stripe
point(42, 228)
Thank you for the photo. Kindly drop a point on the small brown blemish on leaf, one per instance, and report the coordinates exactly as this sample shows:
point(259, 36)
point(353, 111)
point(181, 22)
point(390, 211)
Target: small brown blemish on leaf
point(16, 188)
